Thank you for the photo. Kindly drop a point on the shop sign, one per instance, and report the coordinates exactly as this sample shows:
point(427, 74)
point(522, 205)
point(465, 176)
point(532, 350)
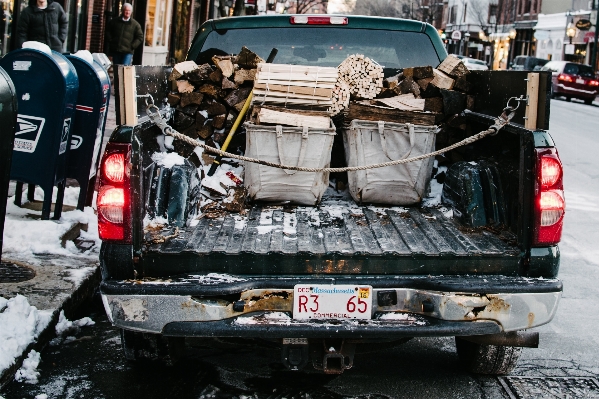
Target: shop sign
point(569, 49)
point(456, 35)
point(583, 24)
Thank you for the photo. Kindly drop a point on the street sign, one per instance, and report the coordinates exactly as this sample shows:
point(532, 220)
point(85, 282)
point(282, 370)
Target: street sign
point(583, 24)
point(569, 49)
point(456, 35)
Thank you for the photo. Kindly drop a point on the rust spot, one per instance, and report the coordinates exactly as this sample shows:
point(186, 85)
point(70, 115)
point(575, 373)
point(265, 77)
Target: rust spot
point(531, 319)
point(497, 305)
point(268, 300)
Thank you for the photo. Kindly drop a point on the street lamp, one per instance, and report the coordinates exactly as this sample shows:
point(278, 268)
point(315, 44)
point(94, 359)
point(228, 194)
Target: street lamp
point(571, 31)
point(512, 33)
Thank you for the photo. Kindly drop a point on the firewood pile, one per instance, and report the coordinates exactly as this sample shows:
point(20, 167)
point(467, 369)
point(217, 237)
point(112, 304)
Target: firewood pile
point(422, 95)
point(208, 98)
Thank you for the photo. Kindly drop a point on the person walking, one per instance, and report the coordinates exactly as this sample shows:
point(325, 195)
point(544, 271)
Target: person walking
point(123, 36)
point(43, 21)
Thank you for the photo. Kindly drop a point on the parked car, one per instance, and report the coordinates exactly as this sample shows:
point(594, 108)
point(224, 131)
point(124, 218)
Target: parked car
point(526, 63)
point(473, 64)
point(572, 80)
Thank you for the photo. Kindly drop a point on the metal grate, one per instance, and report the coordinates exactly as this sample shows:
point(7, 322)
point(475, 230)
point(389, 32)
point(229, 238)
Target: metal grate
point(550, 387)
point(11, 273)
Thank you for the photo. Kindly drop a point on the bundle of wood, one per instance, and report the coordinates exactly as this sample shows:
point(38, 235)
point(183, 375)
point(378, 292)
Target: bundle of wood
point(359, 78)
point(208, 98)
point(421, 95)
point(293, 95)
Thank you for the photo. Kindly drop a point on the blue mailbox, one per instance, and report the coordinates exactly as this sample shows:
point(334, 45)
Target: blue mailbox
point(87, 131)
point(47, 87)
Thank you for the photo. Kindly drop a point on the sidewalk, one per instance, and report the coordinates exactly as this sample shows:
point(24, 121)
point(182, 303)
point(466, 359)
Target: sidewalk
point(62, 274)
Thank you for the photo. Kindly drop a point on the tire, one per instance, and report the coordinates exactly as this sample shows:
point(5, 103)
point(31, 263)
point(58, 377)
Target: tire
point(149, 348)
point(568, 99)
point(487, 359)
point(588, 101)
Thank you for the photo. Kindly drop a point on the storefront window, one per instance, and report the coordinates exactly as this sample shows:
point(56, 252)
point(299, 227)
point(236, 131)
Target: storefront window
point(157, 23)
point(150, 22)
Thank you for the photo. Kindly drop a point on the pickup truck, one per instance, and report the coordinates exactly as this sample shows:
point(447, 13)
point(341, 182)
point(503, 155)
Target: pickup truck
point(415, 271)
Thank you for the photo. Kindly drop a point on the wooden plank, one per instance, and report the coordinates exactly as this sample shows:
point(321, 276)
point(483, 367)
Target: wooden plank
point(311, 84)
point(266, 115)
point(120, 97)
point(279, 100)
point(405, 102)
point(284, 94)
point(286, 68)
point(532, 93)
point(310, 77)
point(376, 113)
point(130, 95)
point(311, 91)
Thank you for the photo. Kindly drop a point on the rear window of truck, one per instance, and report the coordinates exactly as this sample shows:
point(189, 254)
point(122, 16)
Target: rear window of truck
point(325, 46)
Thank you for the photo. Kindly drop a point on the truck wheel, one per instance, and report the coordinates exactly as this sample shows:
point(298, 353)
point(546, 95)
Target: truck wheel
point(144, 348)
point(588, 101)
point(487, 359)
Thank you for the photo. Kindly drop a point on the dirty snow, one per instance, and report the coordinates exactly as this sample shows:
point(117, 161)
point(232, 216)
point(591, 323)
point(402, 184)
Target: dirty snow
point(40, 396)
point(25, 235)
point(66, 326)
point(402, 317)
point(167, 159)
point(435, 189)
point(20, 325)
point(28, 372)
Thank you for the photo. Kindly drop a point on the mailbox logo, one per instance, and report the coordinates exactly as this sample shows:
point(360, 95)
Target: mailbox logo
point(64, 138)
point(29, 129)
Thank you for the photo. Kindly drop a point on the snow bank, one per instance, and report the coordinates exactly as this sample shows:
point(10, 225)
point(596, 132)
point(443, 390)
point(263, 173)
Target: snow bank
point(28, 372)
point(20, 325)
point(168, 159)
point(25, 234)
point(66, 326)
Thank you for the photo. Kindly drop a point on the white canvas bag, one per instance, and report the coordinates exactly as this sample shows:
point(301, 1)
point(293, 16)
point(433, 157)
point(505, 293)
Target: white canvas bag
point(369, 143)
point(293, 146)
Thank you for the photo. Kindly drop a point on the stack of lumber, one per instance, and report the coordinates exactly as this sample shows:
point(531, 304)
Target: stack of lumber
point(293, 95)
point(359, 78)
point(421, 95)
point(208, 98)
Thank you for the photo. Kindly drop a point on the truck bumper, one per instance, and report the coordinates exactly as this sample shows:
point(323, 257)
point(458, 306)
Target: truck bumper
point(262, 307)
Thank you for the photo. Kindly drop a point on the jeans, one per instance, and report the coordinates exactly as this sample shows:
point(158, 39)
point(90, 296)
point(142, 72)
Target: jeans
point(122, 58)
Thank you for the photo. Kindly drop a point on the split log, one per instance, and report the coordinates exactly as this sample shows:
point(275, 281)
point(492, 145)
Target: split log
point(219, 121)
point(423, 83)
point(248, 59)
point(442, 81)
point(408, 86)
point(211, 90)
point(181, 69)
point(243, 75)
point(216, 108)
point(237, 96)
point(226, 84)
point(225, 66)
point(200, 74)
point(462, 84)
point(418, 72)
point(454, 102)
point(173, 99)
point(454, 67)
point(216, 76)
point(191, 98)
point(205, 131)
point(183, 86)
point(434, 104)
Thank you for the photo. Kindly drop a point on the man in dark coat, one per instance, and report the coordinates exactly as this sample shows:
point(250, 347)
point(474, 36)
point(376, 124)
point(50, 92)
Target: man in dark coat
point(43, 21)
point(123, 36)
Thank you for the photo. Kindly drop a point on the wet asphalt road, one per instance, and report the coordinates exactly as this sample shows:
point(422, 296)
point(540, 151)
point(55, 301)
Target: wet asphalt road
point(92, 366)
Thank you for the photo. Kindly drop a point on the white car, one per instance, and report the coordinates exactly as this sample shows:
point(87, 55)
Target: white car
point(473, 64)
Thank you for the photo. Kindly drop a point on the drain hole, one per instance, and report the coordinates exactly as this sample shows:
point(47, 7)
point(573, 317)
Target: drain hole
point(11, 273)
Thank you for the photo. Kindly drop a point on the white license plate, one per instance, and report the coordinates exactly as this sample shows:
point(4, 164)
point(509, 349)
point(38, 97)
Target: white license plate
point(580, 81)
point(332, 301)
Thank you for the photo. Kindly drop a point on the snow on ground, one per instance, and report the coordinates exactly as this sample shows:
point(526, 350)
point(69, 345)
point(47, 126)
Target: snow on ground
point(20, 325)
point(28, 372)
point(25, 235)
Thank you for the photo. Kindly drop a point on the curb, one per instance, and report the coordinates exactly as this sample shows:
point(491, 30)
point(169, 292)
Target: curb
point(83, 292)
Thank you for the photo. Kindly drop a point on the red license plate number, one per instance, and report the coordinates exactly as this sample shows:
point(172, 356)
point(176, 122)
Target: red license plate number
point(332, 302)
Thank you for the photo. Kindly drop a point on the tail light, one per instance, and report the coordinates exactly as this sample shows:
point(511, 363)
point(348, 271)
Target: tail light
point(305, 20)
point(550, 204)
point(594, 83)
point(564, 78)
point(114, 200)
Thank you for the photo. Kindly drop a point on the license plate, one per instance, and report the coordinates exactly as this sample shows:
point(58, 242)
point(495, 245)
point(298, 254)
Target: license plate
point(580, 81)
point(332, 301)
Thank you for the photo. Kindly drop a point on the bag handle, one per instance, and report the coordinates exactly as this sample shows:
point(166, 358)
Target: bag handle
point(302, 154)
point(411, 132)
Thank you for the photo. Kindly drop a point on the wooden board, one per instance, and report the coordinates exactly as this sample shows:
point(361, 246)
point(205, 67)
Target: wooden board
point(405, 102)
point(376, 113)
point(532, 91)
point(326, 92)
point(292, 118)
point(129, 96)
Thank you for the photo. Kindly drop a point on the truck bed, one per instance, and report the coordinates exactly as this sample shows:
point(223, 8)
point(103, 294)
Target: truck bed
point(337, 237)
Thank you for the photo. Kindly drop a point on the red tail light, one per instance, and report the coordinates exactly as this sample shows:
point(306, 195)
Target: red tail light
point(593, 82)
point(550, 205)
point(305, 20)
point(114, 202)
point(564, 78)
